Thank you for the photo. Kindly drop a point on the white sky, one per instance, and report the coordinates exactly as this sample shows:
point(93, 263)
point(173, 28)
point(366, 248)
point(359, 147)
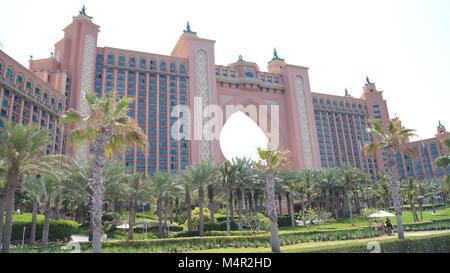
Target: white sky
point(402, 45)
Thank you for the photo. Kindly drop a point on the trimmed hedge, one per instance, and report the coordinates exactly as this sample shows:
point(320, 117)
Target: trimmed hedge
point(422, 244)
point(428, 225)
point(220, 226)
point(58, 229)
point(185, 244)
point(195, 233)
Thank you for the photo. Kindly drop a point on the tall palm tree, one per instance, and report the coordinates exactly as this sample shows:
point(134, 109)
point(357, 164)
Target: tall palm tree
point(199, 176)
point(50, 191)
point(390, 142)
point(109, 129)
point(293, 187)
point(227, 173)
point(136, 189)
point(271, 161)
point(410, 190)
point(32, 189)
point(161, 183)
point(349, 178)
point(21, 149)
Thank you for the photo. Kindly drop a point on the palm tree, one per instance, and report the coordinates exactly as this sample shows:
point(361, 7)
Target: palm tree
point(293, 187)
point(241, 177)
point(383, 189)
point(109, 129)
point(444, 162)
point(271, 161)
point(161, 182)
point(307, 178)
point(136, 189)
point(410, 190)
point(21, 149)
point(390, 142)
point(227, 172)
point(32, 188)
point(199, 176)
point(50, 190)
point(348, 177)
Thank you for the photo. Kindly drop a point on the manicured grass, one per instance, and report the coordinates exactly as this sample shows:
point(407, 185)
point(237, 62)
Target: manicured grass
point(358, 220)
point(314, 246)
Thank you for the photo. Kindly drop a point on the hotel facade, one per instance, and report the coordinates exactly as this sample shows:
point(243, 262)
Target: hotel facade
point(319, 130)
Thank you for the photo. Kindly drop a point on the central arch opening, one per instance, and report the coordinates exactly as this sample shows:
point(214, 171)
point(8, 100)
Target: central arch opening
point(241, 136)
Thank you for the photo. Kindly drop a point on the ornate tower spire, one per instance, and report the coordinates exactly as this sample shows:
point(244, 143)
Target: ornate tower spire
point(275, 56)
point(368, 81)
point(188, 29)
point(346, 93)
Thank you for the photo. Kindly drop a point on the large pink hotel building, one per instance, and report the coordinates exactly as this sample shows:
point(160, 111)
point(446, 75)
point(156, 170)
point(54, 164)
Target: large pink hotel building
point(320, 130)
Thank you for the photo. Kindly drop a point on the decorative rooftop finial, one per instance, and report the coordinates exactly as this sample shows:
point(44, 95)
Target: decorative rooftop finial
point(275, 56)
point(240, 58)
point(31, 57)
point(83, 12)
point(368, 81)
point(440, 125)
point(346, 93)
point(51, 54)
point(188, 29)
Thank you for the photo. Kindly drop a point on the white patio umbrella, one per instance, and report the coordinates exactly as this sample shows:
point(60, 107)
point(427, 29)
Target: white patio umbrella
point(381, 214)
point(124, 226)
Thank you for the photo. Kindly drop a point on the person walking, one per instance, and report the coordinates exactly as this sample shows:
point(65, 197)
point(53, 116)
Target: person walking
point(382, 227)
point(389, 226)
point(375, 225)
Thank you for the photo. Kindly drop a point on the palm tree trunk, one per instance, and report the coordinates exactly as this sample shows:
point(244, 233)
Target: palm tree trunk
point(288, 200)
point(200, 201)
point(91, 227)
point(227, 201)
point(421, 208)
point(131, 220)
point(350, 210)
point(240, 196)
point(97, 190)
point(33, 221)
point(255, 197)
point(211, 202)
point(231, 206)
point(395, 192)
point(414, 213)
point(10, 188)
point(166, 205)
point(272, 212)
point(177, 201)
point(291, 209)
point(159, 209)
point(280, 204)
point(45, 228)
point(188, 209)
point(171, 210)
point(3, 202)
point(57, 210)
point(432, 205)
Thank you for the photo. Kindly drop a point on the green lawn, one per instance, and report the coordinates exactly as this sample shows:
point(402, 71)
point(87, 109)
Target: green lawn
point(311, 246)
point(358, 219)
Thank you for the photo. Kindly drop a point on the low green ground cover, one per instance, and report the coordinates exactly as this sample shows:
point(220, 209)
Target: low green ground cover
point(185, 244)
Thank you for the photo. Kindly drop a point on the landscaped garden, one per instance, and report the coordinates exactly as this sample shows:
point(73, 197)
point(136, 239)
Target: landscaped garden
point(48, 200)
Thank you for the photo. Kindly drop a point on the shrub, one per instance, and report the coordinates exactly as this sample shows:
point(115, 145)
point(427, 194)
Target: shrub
point(195, 217)
point(58, 229)
point(424, 244)
point(220, 226)
point(184, 244)
point(108, 216)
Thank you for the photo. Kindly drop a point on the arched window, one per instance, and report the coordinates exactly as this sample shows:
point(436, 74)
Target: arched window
point(249, 75)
